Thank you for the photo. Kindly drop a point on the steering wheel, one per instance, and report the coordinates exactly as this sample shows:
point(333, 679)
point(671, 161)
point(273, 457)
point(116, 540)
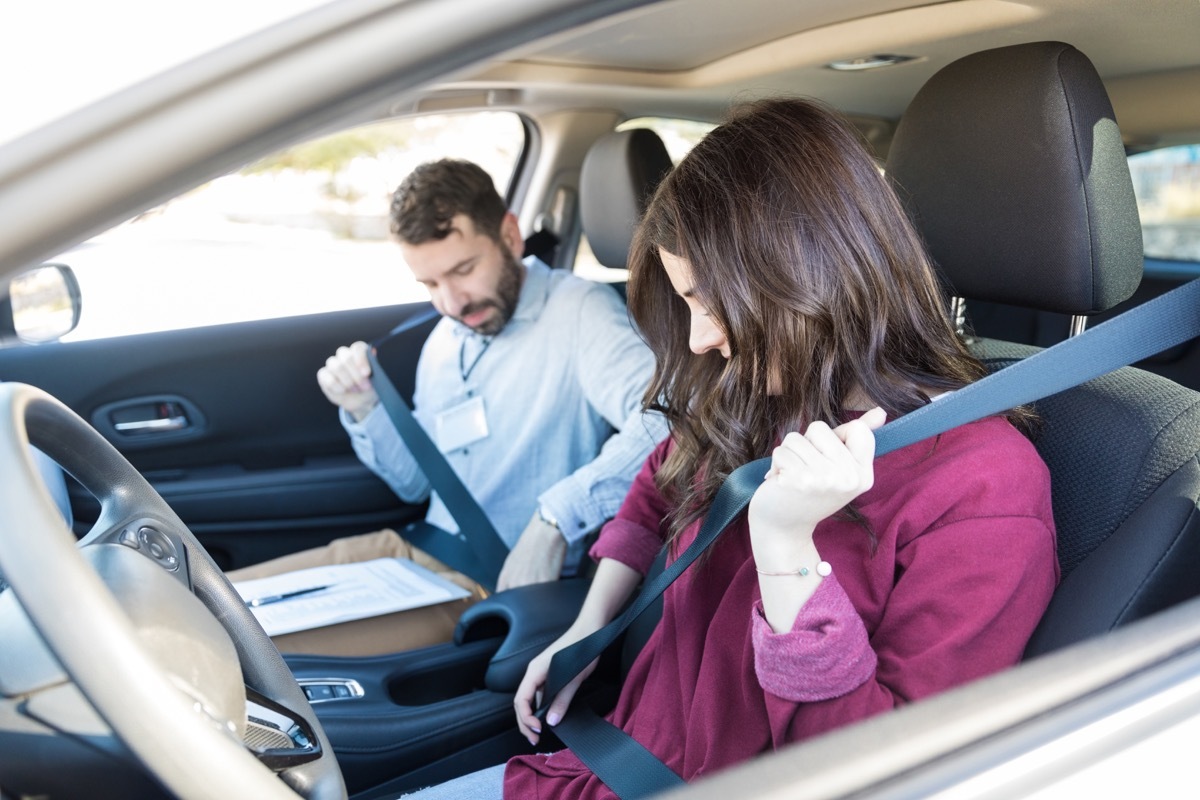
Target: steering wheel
point(150, 631)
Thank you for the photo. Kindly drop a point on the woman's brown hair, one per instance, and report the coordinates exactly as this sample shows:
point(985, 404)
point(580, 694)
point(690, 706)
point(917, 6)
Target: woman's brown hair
point(803, 255)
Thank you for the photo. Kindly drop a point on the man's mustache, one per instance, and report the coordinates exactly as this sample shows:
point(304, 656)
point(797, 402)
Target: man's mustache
point(474, 308)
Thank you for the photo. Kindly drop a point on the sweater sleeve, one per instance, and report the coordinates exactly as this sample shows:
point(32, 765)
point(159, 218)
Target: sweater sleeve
point(825, 655)
point(967, 598)
point(634, 537)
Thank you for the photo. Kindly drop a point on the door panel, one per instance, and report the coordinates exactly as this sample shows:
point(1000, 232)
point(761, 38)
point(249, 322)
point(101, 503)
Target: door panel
point(260, 465)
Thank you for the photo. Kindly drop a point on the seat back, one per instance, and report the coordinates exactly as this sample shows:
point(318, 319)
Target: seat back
point(619, 175)
point(1011, 164)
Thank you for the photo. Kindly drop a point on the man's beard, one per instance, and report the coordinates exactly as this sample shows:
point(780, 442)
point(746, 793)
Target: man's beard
point(508, 293)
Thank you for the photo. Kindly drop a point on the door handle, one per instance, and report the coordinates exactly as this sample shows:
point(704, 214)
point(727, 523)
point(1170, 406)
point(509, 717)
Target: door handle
point(146, 421)
point(151, 425)
point(150, 416)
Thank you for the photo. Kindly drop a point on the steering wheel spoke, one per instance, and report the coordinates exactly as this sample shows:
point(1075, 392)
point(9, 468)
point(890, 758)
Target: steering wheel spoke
point(277, 736)
point(153, 539)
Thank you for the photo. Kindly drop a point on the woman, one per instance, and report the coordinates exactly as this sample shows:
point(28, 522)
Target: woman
point(782, 289)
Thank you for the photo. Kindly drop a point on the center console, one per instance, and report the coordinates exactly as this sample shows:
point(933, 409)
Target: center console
point(405, 720)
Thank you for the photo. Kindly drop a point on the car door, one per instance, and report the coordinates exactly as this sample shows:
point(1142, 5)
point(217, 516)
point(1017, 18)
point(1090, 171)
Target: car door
point(246, 450)
point(220, 409)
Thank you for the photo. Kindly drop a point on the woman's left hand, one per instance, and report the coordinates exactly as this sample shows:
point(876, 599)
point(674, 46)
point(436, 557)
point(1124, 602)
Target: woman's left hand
point(815, 475)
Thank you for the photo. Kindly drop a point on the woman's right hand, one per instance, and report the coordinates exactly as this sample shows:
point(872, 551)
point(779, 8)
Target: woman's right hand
point(611, 587)
point(529, 693)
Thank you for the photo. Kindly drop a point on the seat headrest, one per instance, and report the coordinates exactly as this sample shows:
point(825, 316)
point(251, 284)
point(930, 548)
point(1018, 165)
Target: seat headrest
point(1012, 167)
point(619, 176)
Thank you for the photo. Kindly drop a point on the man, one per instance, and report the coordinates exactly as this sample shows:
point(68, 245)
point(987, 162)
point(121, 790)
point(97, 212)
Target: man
point(521, 384)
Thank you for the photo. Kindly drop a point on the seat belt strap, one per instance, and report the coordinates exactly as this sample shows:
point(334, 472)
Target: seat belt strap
point(617, 758)
point(1143, 331)
point(477, 550)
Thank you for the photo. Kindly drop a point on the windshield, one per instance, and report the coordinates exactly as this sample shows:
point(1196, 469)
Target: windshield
point(60, 55)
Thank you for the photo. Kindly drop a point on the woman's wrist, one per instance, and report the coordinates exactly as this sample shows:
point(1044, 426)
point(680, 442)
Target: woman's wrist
point(789, 571)
point(783, 551)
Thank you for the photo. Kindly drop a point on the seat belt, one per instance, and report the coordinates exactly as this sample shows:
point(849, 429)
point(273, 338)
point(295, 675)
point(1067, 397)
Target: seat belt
point(477, 550)
point(629, 769)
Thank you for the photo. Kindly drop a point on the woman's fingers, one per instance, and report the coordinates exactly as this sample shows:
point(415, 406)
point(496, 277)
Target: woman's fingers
point(527, 698)
point(874, 418)
point(860, 437)
point(528, 723)
point(558, 708)
point(824, 459)
point(819, 456)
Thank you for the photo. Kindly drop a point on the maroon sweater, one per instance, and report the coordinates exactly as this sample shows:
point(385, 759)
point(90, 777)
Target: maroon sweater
point(963, 568)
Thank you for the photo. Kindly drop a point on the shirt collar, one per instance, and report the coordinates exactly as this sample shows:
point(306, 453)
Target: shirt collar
point(534, 291)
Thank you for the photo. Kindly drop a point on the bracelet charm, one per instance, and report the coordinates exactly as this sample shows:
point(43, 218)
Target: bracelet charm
point(823, 569)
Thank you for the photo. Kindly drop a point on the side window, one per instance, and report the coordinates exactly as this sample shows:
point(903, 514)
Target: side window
point(1167, 185)
point(679, 136)
point(303, 231)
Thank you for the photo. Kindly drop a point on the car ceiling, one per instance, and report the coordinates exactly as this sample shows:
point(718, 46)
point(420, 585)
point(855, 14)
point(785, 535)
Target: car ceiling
point(693, 57)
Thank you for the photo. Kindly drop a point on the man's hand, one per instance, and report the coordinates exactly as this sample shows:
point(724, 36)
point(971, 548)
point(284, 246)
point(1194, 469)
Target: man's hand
point(346, 381)
point(537, 556)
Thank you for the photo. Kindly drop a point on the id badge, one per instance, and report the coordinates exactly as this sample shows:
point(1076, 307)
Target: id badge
point(461, 425)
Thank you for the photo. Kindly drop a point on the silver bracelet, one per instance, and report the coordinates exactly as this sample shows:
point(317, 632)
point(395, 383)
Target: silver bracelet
point(823, 569)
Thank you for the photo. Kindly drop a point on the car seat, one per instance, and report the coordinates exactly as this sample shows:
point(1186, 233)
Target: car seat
point(1011, 164)
point(619, 175)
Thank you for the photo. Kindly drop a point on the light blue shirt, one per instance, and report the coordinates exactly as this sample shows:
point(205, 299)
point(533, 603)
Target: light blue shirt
point(562, 386)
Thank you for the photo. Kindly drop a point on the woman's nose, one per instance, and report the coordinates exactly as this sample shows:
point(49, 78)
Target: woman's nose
point(706, 335)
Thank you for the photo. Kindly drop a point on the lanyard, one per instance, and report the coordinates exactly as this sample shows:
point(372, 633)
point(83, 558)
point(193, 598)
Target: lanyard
point(464, 370)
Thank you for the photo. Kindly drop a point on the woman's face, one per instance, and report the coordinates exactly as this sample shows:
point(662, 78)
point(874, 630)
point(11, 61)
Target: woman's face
point(704, 334)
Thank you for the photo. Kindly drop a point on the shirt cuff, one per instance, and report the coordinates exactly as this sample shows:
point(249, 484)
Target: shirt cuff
point(633, 545)
point(826, 654)
point(364, 428)
point(573, 510)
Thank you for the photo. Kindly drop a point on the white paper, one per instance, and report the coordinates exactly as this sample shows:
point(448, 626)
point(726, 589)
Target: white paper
point(356, 591)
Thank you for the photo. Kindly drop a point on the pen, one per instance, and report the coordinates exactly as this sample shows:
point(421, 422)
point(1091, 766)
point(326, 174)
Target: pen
point(275, 598)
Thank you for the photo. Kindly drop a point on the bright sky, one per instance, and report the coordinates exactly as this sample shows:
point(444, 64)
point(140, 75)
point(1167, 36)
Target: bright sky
point(57, 55)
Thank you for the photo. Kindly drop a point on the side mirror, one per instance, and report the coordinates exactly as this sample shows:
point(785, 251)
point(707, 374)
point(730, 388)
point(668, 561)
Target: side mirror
point(42, 305)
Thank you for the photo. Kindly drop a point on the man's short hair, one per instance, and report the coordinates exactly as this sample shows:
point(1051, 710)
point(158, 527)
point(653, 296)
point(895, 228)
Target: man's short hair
point(424, 206)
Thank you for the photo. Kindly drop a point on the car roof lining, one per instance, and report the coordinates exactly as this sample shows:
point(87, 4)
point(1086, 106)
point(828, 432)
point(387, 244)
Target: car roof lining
point(610, 63)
